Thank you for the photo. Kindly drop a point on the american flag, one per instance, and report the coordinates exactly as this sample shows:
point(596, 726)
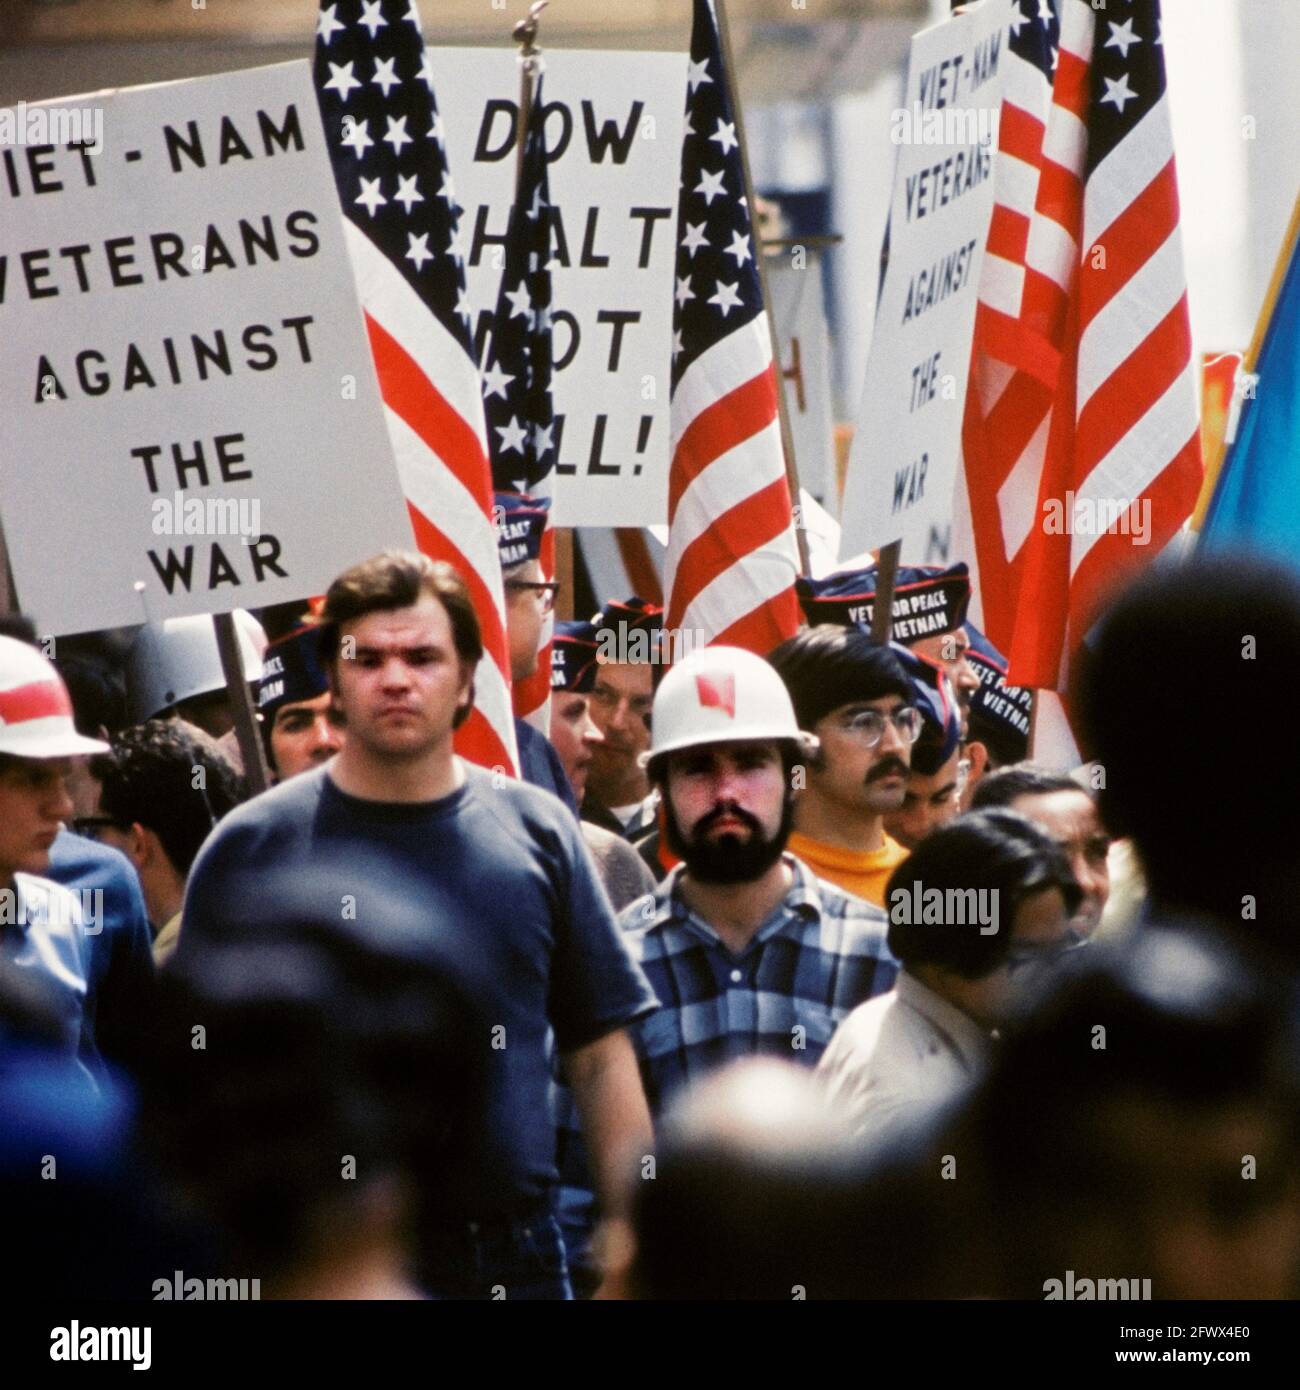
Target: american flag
point(375, 88)
point(517, 376)
point(732, 559)
point(1082, 402)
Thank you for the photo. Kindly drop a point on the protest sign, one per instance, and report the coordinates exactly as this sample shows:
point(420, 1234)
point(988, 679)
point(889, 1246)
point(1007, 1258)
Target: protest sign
point(191, 419)
point(798, 309)
point(907, 446)
point(614, 134)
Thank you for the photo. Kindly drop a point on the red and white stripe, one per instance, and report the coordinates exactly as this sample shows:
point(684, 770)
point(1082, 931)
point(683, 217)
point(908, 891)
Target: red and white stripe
point(732, 559)
point(1081, 377)
point(434, 406)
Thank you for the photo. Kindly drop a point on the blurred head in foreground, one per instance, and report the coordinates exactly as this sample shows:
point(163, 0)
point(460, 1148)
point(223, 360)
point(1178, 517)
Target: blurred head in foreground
point(759, 1192)
point(1215, 818)
point(1142, 1124)
point(313, 1080)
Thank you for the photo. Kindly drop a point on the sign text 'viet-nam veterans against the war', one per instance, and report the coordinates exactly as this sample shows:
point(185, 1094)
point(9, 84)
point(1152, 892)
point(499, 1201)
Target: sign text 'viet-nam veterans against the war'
point(614, 139)
point(191, 420)
point(908, 439)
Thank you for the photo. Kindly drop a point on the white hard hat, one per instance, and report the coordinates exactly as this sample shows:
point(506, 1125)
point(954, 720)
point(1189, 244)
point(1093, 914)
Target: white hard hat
point(721, 695)
point(178, 659)
point(35, 711)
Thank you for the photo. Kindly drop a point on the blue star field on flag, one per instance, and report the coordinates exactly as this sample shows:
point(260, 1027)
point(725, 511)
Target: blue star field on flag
point(1036, 33)
point(716, 283)
point(517, 368)
point(374, 83)
point(1128, 73)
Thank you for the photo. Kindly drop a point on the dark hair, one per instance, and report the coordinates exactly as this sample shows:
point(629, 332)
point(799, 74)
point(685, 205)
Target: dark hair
point(18, 626)
point(1004, 786)
point(147, 776)
point(325, 1037)
point(827, 666)
point(398, 579)
point(995, 851)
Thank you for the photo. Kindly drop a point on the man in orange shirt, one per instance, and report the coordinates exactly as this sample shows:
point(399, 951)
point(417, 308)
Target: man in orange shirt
point(855, 695)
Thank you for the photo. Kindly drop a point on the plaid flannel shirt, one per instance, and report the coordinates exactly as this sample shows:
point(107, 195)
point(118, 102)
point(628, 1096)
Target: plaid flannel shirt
point(820, 955)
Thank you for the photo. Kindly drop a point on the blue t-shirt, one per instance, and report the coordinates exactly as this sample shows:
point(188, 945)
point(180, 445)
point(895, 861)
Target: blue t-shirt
point(547, 950)
point(540, 764)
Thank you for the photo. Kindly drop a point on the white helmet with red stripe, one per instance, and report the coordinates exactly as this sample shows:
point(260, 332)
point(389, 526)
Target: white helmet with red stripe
point(722, 695)
point(35, 711)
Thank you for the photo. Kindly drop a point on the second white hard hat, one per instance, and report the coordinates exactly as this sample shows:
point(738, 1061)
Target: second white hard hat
point(721, 695)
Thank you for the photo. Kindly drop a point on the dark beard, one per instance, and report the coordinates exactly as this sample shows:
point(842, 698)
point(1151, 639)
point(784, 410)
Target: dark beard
point(728, 859)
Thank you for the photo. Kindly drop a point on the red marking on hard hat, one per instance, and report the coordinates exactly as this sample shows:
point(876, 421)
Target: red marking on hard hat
point(39, 700)
point(717, 692)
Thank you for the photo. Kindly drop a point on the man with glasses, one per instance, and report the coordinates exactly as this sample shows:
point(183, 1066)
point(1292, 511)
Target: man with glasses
point(857, 699)
point(977, 913)
point(530, 598)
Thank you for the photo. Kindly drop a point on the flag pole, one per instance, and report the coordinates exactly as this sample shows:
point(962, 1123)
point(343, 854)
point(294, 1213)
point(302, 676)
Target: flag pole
point(525, 35)
point(783, 414)
point(882, 609)
point(241, 704)
point(1247, 368)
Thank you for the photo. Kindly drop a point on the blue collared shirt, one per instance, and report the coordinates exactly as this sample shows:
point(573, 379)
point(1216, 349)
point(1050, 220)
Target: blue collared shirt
point(41, 932)
point(819, 955)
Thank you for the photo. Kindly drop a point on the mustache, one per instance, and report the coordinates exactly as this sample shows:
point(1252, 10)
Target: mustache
point(889, 766)
point(727, 811)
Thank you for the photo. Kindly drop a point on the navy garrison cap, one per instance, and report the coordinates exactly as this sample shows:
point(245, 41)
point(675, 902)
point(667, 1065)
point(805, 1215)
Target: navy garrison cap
point(521, 520)
point(928, 600)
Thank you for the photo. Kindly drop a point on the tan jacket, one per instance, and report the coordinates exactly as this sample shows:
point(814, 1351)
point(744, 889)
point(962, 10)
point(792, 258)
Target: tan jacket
point(900, 1053)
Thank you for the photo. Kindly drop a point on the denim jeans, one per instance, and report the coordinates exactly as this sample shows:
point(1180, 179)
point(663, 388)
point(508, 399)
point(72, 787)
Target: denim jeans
point(514, 1261)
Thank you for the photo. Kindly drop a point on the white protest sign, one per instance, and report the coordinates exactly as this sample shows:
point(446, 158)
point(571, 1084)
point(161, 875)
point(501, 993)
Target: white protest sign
point(805, 363)
point(908, 440)
point(614, 132)
point(185, 382)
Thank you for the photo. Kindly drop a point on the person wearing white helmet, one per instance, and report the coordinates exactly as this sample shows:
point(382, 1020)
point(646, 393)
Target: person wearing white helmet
point(174, 667)
point(42, 929)
point(751, 952)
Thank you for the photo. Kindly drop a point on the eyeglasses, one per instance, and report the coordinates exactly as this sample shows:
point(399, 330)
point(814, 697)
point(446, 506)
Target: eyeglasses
point(1046, 953)
point(546, 589)
point(90, 827)
point(868, 725)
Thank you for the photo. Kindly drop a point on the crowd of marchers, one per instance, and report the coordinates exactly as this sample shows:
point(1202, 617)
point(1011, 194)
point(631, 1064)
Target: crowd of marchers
point(771, 976)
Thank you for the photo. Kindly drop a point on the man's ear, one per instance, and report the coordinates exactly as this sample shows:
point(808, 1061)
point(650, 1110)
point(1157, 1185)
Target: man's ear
point(141, 845)
point(464, 706)
point(978, 754)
